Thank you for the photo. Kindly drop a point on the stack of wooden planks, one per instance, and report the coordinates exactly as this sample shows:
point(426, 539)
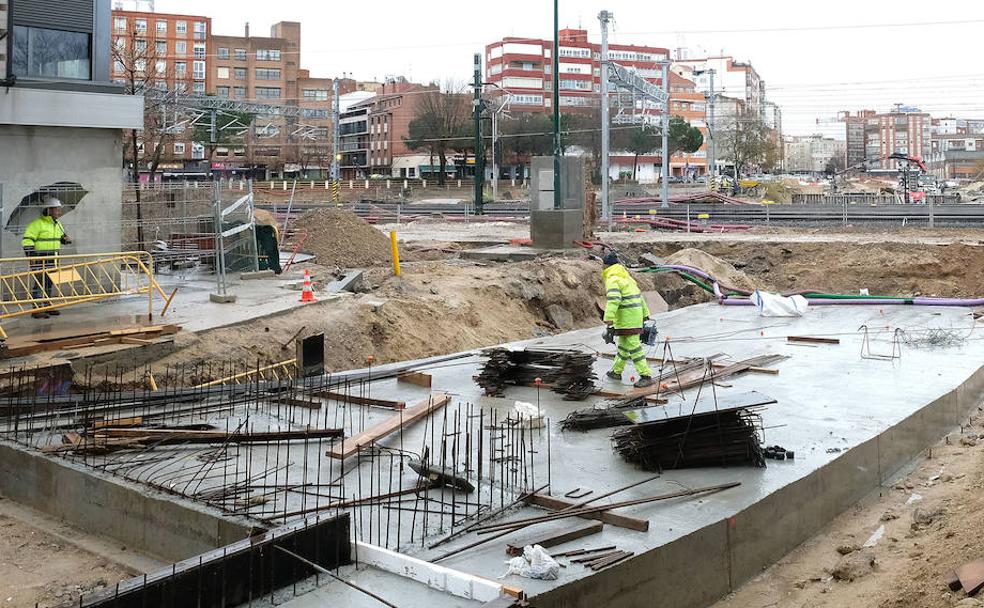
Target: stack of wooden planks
point(140, 335)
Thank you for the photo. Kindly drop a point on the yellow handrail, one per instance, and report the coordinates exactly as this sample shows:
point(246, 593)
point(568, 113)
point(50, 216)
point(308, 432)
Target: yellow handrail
point(287, 368)
point(51, 282)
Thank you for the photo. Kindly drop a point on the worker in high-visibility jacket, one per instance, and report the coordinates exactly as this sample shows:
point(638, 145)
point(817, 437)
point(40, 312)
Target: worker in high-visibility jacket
point(43, 238)
point(625, 314)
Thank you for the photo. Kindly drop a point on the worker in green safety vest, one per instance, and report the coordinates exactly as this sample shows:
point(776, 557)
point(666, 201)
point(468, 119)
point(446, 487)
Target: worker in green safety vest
point(625, 314)
point(43, 238)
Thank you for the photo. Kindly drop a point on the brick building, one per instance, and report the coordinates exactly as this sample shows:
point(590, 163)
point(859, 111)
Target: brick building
point(957, 148)
point(904, 129)
point(170, 53)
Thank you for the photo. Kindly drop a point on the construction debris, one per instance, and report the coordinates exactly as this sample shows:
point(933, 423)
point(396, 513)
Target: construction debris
point(568, 372)
point(970, 577)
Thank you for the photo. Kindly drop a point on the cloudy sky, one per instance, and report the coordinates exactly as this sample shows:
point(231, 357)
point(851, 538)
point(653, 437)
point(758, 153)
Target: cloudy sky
point(839, 54)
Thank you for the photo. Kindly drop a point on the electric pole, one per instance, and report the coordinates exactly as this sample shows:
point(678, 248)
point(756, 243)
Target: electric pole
point(666, 135)
point(710, 131)
point(479, 149)
point(556, 104)
point(336, 139)
point(606, 216)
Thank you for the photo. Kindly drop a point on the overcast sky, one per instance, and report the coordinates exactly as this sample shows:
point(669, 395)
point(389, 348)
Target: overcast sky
point(839, 54)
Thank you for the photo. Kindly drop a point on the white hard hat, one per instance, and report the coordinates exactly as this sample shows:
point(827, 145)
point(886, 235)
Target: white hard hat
point(51, 202)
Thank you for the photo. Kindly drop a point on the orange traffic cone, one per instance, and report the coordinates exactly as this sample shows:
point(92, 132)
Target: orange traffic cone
point(307, 294)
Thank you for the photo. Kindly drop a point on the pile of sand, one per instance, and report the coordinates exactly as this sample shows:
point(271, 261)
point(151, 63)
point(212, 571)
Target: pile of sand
point(341, 238)
point(724, 272)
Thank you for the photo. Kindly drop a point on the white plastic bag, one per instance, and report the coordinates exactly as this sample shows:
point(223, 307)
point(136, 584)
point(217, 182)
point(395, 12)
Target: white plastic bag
point(535, 563)
point(528, 413)
point(775, 305)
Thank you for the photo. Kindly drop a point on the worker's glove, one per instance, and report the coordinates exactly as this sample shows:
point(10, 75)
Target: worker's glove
point(649, 333)
point(66, 240)
point(609, 335)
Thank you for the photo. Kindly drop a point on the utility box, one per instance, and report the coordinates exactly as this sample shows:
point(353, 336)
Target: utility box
point(310, 356)
point(552, 228)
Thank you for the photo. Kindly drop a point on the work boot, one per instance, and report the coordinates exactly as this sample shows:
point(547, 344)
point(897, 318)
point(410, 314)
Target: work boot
point(613, 375)
point(39, 315)
point(54, 313)
point(644, 382)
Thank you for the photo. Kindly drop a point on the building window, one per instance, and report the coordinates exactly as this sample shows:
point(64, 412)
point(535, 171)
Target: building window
point(162, 27)
point(198, 70)
point(140, 65)
point(119, 24)
point(161, 67)
point(240, 73)
point(268, 92)
point(222, 73)
point(181, 48)
point(181, 87)
point(51, 53)
point(179, 148)
point(268, 73)
point(239, 92)
point(199, 50)
point(181, 27)
point(118, 66)
point(161, 85)
point(140, 46)
point(267, 55)
point(160, 47)
point(120, 44)
point(140, 25)
point(200, 30)
point(223, 53)
point(240, 54)
point(222, 92)
point(198, 88)
point(180, 69)
point(315, 94)
point(197, 150)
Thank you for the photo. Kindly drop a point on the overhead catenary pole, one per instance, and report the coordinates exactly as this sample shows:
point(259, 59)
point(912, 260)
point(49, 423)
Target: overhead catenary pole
point(479, 150)
point(556, 105)
point(711, 132)
point(336, 136)
point(606, 215)
point(665, 176)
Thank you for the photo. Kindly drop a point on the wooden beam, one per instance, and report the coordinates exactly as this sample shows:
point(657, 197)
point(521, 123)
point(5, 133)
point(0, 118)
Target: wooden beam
point(163, 436)
point(454, 582)
point(356, 400)
point(311, 404)
point(609, 517)
point(552, 539)
point(813, 340)
point(353, 444)
point(418, 378)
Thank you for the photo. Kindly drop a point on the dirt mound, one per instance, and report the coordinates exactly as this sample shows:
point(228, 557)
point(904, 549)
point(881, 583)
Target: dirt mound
point(716, 267)
point(341, 238)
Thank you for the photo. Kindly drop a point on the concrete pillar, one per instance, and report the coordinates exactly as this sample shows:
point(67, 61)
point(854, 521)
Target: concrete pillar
point(367, 185)
point(387, 184)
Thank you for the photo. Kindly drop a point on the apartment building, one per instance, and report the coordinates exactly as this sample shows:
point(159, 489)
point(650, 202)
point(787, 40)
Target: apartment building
point(904, 129)
point(167, 52)
point(734, 79)
point(524, 67)
point(854, 130)
point(812, 153)
point(57, 103)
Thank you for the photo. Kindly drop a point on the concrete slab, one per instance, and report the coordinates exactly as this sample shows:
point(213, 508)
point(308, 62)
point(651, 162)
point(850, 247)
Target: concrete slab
point(502, 253)
point(853, 422)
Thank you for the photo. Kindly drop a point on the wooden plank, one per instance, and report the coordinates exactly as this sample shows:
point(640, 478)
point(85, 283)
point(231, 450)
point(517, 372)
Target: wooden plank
point(971, 576)
point(311, 404)
point(552, 539)
point(118, 423)
point(813, 340)
point(609, 517)
point(375, 433)
point(346, 398)
point(418, 378)
point(454, 582)
point(64, 340)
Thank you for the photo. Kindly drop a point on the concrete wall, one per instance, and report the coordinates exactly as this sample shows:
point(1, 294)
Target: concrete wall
point(145, 521)
point(696, 570)
point(35, 157)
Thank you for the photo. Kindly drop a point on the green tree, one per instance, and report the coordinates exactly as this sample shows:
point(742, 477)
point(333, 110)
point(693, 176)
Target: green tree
point(684, 137)
point(746, 141)
point(439, 125)
point(638, 140)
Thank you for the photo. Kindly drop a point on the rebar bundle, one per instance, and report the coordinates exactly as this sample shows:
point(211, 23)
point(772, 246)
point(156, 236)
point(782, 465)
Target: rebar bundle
point(567, 372)
point(709, 439)
point(608, 415)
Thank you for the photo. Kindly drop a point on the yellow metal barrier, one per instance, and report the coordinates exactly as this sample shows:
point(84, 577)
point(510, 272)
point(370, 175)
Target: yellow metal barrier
point(277, 371)
point(44, 283)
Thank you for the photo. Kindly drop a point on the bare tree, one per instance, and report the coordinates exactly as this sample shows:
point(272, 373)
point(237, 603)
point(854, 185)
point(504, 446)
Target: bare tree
point(440, 124)
point(746, 141)
point(137, 59)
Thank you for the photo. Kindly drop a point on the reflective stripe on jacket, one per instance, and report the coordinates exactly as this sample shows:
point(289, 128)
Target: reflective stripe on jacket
point(43, 234)
point(625, 305)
